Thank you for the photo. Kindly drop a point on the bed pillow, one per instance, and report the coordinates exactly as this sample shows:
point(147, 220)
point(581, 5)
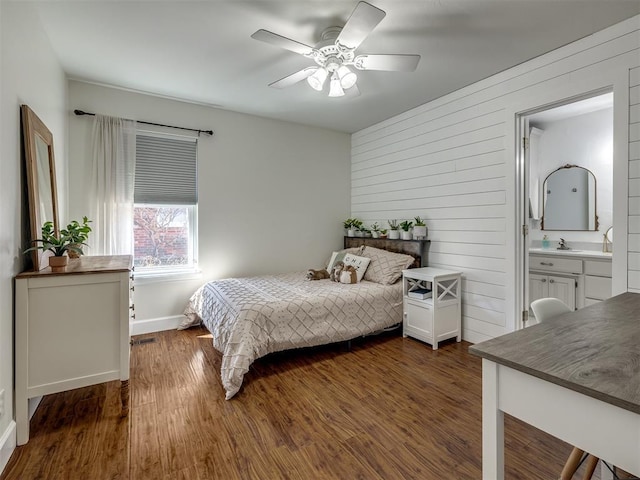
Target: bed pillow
point(339, 255)
point(335, 258)
point(386, 267)
point(359, 263)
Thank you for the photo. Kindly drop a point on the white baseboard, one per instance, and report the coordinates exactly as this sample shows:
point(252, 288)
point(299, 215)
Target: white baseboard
point(156, 324)
point(7, 444)
point(474, 337)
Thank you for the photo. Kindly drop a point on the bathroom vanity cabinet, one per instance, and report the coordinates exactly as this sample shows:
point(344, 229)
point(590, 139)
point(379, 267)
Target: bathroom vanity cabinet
point(578, 278)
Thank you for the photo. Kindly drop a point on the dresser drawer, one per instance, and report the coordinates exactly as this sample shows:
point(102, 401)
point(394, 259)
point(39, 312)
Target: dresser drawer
point(598, 288)
point(555, 264)
point(597, 268)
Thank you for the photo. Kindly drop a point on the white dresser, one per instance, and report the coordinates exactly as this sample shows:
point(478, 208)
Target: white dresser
point(578, 278)
point(72, 330)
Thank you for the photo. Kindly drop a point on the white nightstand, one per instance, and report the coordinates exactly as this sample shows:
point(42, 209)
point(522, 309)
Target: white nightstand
point(435, 316)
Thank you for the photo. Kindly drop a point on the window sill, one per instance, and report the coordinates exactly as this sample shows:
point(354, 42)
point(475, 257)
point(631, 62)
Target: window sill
point(145, 278)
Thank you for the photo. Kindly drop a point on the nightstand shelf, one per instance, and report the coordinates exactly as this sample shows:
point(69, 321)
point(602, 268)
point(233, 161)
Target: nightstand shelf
point(432, 304)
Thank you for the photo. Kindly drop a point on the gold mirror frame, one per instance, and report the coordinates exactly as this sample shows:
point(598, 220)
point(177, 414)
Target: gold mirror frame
point(41, 179)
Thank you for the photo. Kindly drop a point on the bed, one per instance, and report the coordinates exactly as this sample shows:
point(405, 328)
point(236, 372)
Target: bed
point(252, 317)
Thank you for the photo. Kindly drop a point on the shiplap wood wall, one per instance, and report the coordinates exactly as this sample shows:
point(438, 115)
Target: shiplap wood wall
point(634, 180)
point(451, 161)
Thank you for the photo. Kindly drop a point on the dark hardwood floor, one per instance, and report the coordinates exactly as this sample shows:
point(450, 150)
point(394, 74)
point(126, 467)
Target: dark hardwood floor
point(391, 408)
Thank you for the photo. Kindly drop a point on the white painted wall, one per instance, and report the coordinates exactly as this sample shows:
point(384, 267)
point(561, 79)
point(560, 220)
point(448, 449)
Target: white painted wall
point(29, 74)
point(587, 141)
point(272, 194)
point(453, 162)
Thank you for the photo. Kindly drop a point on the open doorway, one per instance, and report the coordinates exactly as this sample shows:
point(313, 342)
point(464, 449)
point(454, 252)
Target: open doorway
point(568, 183)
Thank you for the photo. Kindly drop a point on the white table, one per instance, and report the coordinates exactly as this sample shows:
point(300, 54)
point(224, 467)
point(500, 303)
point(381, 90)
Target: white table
point(576, 377)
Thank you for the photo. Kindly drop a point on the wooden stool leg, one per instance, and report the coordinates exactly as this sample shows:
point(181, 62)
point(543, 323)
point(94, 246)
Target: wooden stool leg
point(621, 473)
point(572, 463)
point(591, 464)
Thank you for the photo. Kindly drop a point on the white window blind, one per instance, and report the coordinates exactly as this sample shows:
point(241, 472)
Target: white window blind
point(166, 171)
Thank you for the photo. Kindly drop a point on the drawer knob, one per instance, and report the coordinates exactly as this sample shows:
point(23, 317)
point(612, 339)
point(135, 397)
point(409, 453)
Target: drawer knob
point(548, 264)
point(544, 280)
point(551, 281)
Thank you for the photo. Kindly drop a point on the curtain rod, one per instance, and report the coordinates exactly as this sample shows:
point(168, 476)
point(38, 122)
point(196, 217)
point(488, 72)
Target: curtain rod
point(208, 132)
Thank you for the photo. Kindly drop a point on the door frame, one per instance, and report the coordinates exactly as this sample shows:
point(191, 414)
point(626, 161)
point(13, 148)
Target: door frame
point(518, 188)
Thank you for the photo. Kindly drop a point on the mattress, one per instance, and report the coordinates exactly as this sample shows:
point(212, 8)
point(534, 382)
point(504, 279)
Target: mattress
point(252, 317)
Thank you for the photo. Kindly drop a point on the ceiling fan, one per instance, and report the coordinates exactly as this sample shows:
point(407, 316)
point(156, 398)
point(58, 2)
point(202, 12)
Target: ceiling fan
point(335, 53)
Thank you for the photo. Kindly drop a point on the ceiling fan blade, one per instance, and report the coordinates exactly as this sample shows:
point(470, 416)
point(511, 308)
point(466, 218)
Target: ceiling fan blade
point(362, 21)
point(282, 42)
point(390, 63)
point(293, 78)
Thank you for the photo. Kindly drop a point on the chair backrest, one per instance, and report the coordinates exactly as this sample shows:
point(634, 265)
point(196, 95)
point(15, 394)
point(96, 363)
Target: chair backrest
point(546, 308)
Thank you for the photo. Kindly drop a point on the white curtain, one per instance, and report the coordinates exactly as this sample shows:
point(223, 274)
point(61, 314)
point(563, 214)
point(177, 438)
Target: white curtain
point(113, 151)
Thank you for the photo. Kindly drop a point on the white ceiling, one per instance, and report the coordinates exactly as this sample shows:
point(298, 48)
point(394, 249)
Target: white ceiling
point(203, 51)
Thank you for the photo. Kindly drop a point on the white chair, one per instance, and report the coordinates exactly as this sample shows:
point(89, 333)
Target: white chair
point(544, 309)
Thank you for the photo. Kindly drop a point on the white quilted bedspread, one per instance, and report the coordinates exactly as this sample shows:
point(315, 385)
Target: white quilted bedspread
point(251, 317)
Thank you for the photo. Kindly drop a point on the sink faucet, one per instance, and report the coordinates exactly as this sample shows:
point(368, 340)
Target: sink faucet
point(562, 245)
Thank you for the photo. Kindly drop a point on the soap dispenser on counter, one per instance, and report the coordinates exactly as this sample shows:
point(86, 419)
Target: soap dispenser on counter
point(545, 242)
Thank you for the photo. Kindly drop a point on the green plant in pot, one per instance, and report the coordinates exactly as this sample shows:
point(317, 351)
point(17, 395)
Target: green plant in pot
point(406, 229)
point(383, 233)
point(358, 226)
point(348, 226)
point(58, 244)
point(419, 229)
point(394, 234)
point(79, 232)
point(375, 230)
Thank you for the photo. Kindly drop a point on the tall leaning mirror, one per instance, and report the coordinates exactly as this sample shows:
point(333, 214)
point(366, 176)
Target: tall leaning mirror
point(41, 178)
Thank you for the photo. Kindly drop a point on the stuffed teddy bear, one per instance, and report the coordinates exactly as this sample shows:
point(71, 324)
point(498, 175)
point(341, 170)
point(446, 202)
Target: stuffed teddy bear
point(317, 274)
point(349, 275)
point(335, 271)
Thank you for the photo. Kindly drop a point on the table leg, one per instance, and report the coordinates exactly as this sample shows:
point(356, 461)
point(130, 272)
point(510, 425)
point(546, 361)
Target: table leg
point(492, 424)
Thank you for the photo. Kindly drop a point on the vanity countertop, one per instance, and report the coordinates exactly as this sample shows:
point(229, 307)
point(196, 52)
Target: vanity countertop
point(570, 252)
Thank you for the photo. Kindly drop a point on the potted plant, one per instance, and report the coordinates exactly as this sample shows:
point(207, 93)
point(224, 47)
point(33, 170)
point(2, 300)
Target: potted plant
point(383, 233)
point(357, 225)
point(419, 229)
point(406, 229)
point(375, 230)
point(57, 244)
point(79, 232)
point(394, 234)
point(348, 226)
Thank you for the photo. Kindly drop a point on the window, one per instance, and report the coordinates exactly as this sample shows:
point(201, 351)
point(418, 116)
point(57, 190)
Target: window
point(165, 204)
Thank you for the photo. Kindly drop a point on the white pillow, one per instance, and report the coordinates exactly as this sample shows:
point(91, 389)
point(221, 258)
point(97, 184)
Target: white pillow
point(335, 258)
point(359, 263)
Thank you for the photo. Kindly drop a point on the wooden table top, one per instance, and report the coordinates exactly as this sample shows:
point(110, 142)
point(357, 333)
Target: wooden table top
point(594, 351)
point(88, 264)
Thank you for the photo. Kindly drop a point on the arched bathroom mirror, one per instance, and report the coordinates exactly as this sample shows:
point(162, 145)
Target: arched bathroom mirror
point(569, 200)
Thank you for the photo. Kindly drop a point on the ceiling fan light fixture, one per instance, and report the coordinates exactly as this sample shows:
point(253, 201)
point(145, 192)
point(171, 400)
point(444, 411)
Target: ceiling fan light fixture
point(316, 81)
point(335, 89)
point(347, 77)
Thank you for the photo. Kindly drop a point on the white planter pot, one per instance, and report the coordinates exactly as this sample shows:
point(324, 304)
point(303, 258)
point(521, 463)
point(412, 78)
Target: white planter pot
point(359, 233)
point(351, 233)
point(406, 235)
point(420, 232)
point(393, 234)
point(375, 234)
